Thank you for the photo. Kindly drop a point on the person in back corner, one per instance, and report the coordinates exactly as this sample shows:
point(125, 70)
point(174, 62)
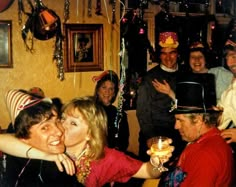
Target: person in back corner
point(152, 106)
point(106, 90)
point(228, 98)
point(198, 63)
point(207, 160)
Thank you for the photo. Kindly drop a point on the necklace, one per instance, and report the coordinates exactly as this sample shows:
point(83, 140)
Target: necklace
point(82, 163)
point(76, 158)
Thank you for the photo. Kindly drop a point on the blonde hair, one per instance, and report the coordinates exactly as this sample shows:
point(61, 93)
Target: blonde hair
point(96, 119)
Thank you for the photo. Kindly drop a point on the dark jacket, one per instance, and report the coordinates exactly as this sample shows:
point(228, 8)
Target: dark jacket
point(122, 141)
point(152, 106)
point(153, 112)
point(36, 173)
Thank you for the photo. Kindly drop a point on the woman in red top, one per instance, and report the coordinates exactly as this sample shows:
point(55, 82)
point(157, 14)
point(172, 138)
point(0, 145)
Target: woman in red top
point(85, 127)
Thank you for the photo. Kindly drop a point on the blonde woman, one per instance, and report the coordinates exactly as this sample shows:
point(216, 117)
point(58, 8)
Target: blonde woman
point(85, 127)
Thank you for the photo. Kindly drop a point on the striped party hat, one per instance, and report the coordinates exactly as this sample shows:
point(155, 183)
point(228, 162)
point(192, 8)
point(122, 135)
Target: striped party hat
point(18, 100)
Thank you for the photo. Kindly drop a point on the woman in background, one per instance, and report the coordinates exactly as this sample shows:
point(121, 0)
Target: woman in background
point(106, 91)
point(198, 63)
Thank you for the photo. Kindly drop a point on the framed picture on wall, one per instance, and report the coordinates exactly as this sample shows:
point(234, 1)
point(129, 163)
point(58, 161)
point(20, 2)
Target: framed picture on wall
point(83, 47)
point(5, 44)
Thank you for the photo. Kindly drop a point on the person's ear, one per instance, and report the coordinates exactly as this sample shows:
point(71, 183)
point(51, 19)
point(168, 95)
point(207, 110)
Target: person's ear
point(87, 138)
point(198, 119)
point(25, 140)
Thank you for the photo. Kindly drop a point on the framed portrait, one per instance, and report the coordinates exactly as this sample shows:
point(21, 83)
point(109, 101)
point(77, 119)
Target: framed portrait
point(5, 44)
point(83, 47)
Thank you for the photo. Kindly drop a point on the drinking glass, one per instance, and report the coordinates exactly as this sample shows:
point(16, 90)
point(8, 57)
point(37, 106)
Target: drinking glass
point(160, 147)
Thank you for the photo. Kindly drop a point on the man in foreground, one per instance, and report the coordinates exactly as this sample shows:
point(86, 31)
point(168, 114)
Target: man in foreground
point(36, 123)
point(207, 160)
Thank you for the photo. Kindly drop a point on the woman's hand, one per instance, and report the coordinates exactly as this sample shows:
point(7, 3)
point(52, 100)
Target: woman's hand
point(63, 162)
point(163, 88)
point(229, 135)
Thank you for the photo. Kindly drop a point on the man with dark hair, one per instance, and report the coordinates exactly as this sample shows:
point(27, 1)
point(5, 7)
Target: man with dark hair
point(36, 122)
point(152, 106)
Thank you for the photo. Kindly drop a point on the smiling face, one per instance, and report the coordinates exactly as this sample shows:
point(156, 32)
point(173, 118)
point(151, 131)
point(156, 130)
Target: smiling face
point(48, 135)
point(231, 61)
point(106, 92)
point(168, 57)
point(197, 62)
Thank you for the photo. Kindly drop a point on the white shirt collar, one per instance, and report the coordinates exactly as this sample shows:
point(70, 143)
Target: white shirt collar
point(163, 67)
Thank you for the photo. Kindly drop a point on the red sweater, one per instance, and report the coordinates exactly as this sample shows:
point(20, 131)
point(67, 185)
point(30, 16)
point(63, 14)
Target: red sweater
point(207, 162)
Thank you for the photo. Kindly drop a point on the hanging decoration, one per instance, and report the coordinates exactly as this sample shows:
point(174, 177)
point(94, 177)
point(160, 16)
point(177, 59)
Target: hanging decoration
point(98, 8)
point(89, 13)
point(121, 89)
point(66, 10)
point(20, 10)
point(133, 29)
point(42, 24)
point(5, 4)
point(58, 58)
point(113, 4)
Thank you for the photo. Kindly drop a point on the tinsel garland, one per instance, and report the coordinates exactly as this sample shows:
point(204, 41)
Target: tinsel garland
point(66, 10)
point(113, 11)
point(89, 8)
point(58, 57)
point(119, 114)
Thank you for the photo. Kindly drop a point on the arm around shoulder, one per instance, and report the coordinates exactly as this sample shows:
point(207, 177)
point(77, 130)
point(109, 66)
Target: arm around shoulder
point(13, 146)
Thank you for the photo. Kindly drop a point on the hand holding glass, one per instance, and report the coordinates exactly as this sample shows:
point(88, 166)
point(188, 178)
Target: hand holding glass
point(160, 148)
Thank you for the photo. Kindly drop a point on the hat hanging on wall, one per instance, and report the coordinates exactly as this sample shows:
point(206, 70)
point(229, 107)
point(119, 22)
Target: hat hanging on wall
point(5, 4)
point(43, 23)
point(195, 93)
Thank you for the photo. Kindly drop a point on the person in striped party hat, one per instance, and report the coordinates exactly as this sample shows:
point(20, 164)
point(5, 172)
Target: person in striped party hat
point(36, 123)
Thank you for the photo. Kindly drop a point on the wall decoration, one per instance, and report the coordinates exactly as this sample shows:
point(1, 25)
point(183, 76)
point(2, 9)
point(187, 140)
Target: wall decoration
point(5, 4)
point(43, 24)
point(83, 47)
point(5, 44)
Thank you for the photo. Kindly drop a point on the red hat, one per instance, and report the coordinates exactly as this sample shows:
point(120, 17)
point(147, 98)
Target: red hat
point(168, 39)
point(17, 100)
point(196, 45)
point(108, 73)
point(37, 91)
